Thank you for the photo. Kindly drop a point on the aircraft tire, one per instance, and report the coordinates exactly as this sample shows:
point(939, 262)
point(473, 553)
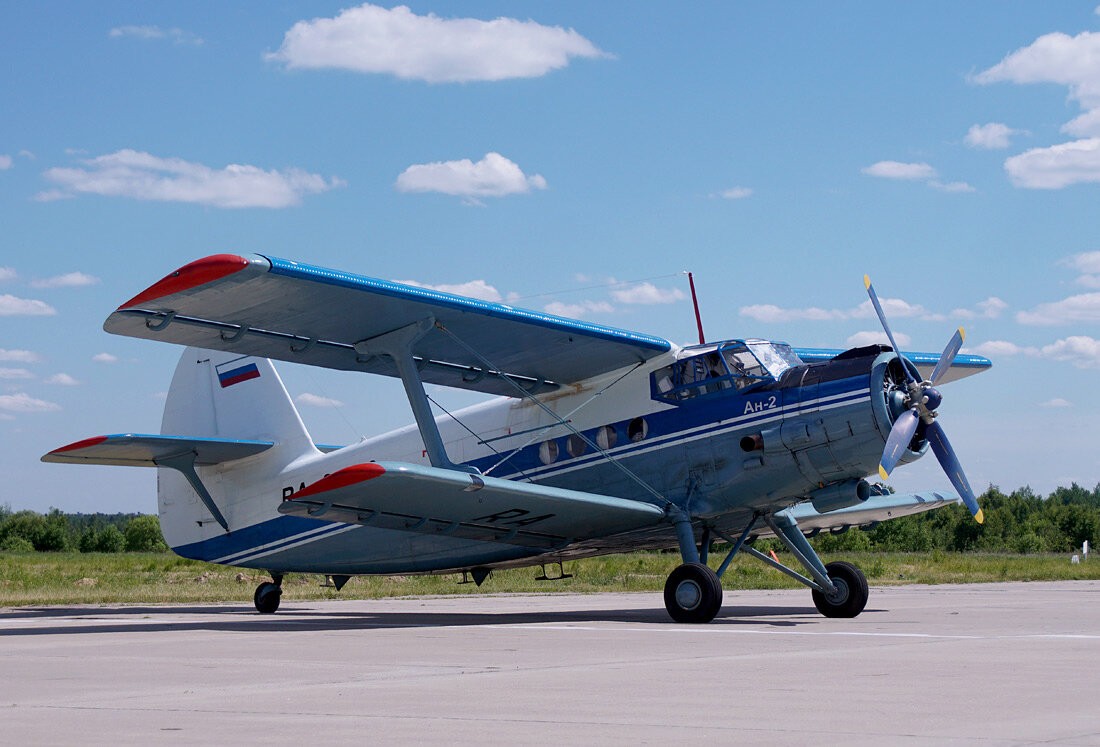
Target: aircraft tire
point(693, 593)
point(852, 591)
point(267, 598)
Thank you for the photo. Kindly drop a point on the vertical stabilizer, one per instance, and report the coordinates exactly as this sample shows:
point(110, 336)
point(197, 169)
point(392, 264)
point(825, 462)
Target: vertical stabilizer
point(222, 395)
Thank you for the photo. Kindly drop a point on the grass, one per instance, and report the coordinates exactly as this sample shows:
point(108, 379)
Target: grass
point(143, 578)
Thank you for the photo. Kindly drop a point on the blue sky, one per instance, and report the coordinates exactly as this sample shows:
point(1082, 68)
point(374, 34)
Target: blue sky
point(542, 152)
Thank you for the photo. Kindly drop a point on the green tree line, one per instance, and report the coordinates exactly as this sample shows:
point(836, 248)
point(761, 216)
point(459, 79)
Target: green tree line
point(27, 531)
point(1019, 522)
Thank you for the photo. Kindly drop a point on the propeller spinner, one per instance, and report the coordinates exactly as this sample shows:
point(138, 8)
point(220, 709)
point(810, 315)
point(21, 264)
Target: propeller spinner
point(922, 399)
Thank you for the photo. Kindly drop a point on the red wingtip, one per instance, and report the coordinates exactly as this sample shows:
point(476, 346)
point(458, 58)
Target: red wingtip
point(341, 479)
point(189, 276)
point(81, 444)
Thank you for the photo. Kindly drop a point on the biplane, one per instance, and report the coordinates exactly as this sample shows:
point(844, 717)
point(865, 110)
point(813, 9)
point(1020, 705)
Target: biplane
point(600, 440)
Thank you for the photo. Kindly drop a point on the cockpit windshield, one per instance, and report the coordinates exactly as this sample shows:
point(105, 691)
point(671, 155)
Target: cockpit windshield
point(776, 357)
point(733, 365)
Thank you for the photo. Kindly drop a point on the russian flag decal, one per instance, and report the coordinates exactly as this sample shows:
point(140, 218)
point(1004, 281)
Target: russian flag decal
point(234, 372)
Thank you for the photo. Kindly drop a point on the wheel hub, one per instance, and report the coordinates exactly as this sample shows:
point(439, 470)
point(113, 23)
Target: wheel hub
point(841, 594)
point(688, 595)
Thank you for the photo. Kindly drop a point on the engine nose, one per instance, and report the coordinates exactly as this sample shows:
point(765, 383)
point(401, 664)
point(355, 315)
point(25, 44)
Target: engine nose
point(891, 399)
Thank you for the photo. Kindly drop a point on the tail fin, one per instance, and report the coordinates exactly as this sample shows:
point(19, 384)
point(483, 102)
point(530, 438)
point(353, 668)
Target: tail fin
point(229, 396)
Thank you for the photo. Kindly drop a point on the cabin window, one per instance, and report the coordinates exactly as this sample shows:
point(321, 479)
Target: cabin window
point(548, 452)
point(606, 437)
point(637, 429)
point(575, 445)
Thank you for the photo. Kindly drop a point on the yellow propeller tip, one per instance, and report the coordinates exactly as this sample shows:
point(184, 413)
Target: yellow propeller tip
point(867, 281)
point(962, 333)
point(883, 473)
point(979, 517)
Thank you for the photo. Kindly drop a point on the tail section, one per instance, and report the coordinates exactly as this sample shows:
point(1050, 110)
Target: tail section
point(226, 396)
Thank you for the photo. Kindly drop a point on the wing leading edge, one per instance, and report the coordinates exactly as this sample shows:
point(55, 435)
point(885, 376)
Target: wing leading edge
point(275, 308)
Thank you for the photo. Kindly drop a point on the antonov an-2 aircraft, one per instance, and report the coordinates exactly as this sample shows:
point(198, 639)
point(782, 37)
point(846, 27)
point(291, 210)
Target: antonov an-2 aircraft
point(602, 440)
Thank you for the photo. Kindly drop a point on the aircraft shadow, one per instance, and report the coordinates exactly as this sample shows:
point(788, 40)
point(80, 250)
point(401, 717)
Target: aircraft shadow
point(294, 617)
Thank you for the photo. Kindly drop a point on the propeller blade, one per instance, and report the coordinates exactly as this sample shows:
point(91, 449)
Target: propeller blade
point(900, 436)
point(885, 325)
point(948, 356)
point(950, 463)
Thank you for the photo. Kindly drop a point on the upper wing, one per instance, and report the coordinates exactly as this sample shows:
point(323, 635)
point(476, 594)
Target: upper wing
point(274, 308)
point(963, 365)
point(414, 498)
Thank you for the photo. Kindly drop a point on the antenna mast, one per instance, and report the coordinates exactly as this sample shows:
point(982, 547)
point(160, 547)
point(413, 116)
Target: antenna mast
point(695, 302)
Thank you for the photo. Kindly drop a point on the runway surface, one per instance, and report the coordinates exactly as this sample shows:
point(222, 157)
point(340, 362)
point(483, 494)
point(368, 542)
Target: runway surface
point(983, 664)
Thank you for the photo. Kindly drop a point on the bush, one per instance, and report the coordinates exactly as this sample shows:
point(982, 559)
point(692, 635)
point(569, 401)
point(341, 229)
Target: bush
point(13, 543)
point(142, 534)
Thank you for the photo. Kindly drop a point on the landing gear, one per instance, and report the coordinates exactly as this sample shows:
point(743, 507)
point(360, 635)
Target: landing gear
point(267, 596)
point(693, 593)
point(851, 591)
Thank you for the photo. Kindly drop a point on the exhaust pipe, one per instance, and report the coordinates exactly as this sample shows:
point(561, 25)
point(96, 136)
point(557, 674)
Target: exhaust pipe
point(841, 495)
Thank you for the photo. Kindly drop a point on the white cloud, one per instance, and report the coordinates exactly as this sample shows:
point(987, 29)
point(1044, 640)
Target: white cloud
point(20, 356)
point(1089, 281)
point(898, 170)
point(957, 187)
point(177, 36)
point(1081, 351)
point(68, 280)
point(26, 154)
point(129, 173)
point(647, 294)
point(492, 176)
point(1057, 58)
point(876, 337)
point(5, 162)
point(1088, 262)
point(15, 373)
point(1056, 402)
point(1058, 166)
point(894, 308)
point(22, 402)
point(578, 310)
point(1002, 349)
point(105, 358)
point(473, 289)
point(989, 136)
point(12, 306)
point(991, 308)
point(1080, 308)
point(8, 273)
point(312, 400)
point(736, 193)
point(62, 379)
point(371, 39)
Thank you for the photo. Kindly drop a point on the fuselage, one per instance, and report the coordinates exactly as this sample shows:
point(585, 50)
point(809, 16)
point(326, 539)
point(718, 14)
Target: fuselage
point(722, 446)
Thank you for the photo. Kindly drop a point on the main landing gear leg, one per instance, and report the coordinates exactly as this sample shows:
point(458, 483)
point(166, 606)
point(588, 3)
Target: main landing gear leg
point(839, 588)
point(693, 593)
point(267, 595)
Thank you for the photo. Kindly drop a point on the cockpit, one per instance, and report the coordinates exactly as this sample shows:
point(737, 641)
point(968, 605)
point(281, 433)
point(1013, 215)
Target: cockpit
point(730, 366)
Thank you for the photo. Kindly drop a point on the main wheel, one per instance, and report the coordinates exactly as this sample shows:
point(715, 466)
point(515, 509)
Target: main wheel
point(851, 591)
point(693, 593)
point(267, 597)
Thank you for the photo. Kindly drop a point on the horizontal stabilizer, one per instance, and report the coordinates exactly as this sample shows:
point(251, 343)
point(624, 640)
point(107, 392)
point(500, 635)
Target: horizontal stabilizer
point(875, 509)
point(962, 366)
point(274, 308)
point(137, 450)
point(397, 495)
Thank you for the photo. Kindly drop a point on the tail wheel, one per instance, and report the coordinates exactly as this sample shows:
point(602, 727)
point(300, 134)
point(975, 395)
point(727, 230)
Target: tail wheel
point(693, 593)
point(267, 598)
point(851, 591)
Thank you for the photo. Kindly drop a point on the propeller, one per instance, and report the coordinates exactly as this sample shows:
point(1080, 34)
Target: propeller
point(922, 399)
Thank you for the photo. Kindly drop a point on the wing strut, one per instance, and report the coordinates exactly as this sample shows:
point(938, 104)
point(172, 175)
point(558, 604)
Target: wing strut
point(397, 344)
